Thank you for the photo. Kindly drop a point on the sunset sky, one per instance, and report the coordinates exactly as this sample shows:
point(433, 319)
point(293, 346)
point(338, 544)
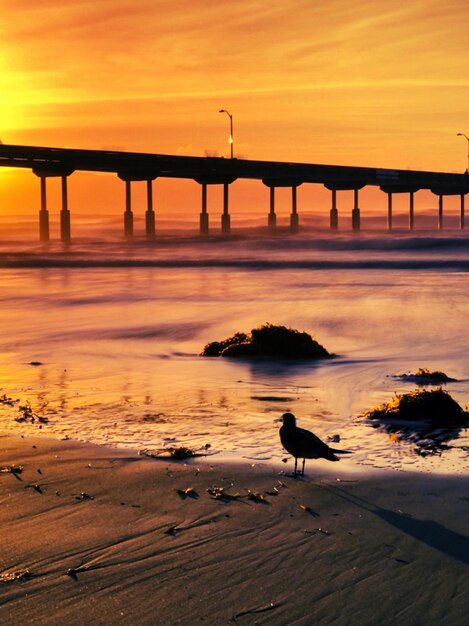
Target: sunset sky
point(369, 83)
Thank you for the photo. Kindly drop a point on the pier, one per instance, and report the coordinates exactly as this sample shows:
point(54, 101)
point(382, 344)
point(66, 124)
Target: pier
point(206, 171)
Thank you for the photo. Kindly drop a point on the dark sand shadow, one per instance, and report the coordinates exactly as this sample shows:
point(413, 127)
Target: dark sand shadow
point(428, 532)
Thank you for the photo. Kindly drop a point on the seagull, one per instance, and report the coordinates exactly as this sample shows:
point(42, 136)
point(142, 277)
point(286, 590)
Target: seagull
point(303, 444)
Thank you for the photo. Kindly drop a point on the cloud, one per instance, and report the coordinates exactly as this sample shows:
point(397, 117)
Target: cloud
point(291, 69)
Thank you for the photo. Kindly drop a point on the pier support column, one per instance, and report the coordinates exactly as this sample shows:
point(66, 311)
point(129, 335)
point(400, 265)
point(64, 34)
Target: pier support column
point(334, 214)
point(43, 213)
point(389, 210)
point(128, 215)
point(149, 214)
point(65, 234)
point(272, 216)
point(294, 223)
point(225, 218)
point(411, 210)
point(461, 214)
point(204, 214)
point(440, 212)
point(355, 211)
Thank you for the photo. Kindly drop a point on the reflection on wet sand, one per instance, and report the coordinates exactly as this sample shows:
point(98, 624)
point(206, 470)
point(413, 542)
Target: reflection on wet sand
point(120, 344)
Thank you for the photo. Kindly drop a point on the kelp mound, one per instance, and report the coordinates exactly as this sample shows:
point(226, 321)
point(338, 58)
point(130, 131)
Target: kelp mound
point(268, 341)
point(433, 406)
point(424, 376)
point(427, 418)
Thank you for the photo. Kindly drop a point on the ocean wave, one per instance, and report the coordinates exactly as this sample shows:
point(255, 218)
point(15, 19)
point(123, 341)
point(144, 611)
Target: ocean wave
point(440, 251)
point(438, 264)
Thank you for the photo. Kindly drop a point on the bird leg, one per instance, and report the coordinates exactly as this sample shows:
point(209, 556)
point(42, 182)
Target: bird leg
point(303, 468)
point(296, 465)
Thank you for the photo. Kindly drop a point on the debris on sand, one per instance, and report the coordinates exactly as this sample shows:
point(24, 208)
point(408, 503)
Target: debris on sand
point(268, 341)
point(177, 453)
point(423, 376)
point(188, 492)
point(73, 572)
point(26, 414)
point(11, 469)
point(256, 497)
point(9, 577)
point(180, 453)
point(307, 509)
point(174, 453)
point(84, 496)
point(7, 401)
point(261, 609)
point(36, 488)
point(220, 493)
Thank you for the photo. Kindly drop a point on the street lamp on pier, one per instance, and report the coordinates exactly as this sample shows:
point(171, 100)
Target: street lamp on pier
point(463, 135)
point(231, 129)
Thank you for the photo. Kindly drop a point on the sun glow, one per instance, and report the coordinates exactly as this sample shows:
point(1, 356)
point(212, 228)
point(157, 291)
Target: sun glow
point(369, 85)
point(10, 102)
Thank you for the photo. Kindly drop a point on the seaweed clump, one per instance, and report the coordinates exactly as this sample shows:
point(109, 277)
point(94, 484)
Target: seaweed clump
point(217, 348)
point(177, 453)
point(268, 341)
point(434, 406)
point(427, 418)
point(424, 376)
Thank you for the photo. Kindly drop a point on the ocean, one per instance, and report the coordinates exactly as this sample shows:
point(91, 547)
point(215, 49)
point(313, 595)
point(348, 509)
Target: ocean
point(116, 329)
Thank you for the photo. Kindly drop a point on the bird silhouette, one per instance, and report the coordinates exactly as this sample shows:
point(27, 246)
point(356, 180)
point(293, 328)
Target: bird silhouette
point(303, 444)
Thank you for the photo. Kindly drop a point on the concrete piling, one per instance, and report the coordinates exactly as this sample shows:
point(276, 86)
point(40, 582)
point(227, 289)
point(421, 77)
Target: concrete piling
point(225, 218)
point(272, 220)
point(204, 229)
point(334, 213)
point(65, 228)
point(128, 215)
point(440, 212)
point(294, 222)
point(389, 210)
point(355, 211)
point(150, 213)
point(411, 210)
point(43, 213)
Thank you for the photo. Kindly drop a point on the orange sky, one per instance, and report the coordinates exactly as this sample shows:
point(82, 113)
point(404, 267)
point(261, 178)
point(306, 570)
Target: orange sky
point(356, 83)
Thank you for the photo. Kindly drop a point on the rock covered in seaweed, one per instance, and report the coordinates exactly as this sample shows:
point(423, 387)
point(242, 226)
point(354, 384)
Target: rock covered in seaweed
point(424, 376)
point(216, 348)
point(268, 341)
point(434, 406)
point(430, 419)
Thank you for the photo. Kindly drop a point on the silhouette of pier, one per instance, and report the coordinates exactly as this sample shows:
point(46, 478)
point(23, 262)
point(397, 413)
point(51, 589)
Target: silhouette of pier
point(132, 166)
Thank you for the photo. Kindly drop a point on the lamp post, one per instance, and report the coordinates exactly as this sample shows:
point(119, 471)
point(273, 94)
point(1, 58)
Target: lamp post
point(463, 135)
point(231, 129)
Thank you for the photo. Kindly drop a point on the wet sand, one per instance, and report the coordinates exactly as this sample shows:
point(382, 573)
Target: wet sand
point(107, 539)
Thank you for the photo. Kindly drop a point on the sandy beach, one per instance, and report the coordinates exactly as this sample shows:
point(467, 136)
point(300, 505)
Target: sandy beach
point(106, 538)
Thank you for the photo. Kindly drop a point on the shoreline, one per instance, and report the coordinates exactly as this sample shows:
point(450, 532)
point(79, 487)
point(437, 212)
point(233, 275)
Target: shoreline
point(107, 538)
